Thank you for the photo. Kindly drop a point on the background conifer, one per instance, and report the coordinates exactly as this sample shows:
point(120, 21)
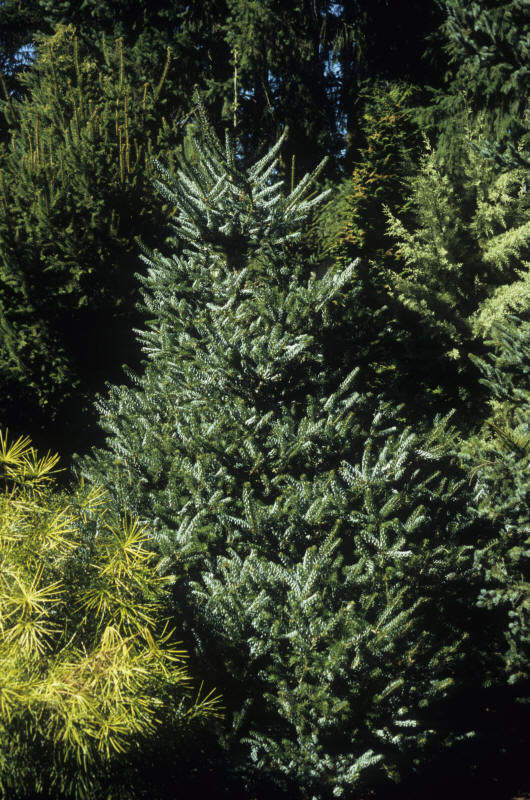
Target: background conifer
point(463, 262)
point(487, 44)
point(73, 177)
point(498, 462)
point(295, 63)
point(352, 224)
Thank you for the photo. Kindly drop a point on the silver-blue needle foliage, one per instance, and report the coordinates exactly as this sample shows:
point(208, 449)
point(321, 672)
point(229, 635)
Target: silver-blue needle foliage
point(323, 570)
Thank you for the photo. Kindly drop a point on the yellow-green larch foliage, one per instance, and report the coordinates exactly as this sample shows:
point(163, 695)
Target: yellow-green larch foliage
point(88, 666)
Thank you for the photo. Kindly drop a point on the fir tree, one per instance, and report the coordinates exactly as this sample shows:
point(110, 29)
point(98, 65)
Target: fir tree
point(326, 567)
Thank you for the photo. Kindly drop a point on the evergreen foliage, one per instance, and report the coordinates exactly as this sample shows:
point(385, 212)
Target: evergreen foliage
point(353, 224)
point(465, 260)
point(266, 63)
point(498, 459)
point(262, 62)
point(489, 40)
point(89, 670)
point(328, 563)
point(74, 175)
point(350, 569)
point(487, 43)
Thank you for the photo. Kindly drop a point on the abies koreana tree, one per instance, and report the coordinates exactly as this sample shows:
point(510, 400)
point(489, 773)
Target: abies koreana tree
point(325, 573)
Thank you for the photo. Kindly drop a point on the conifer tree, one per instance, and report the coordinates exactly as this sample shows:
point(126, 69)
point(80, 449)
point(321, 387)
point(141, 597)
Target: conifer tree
point(487, 44)
point(74, 175)
point(353, 222)
point(90, 672)
point(327, 569)
point(463, 262)
point(498, 458)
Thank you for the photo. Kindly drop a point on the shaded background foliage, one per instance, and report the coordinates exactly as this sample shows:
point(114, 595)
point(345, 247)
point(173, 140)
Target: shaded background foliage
point(74, 180)
point(420, 108)
point(299, 63)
